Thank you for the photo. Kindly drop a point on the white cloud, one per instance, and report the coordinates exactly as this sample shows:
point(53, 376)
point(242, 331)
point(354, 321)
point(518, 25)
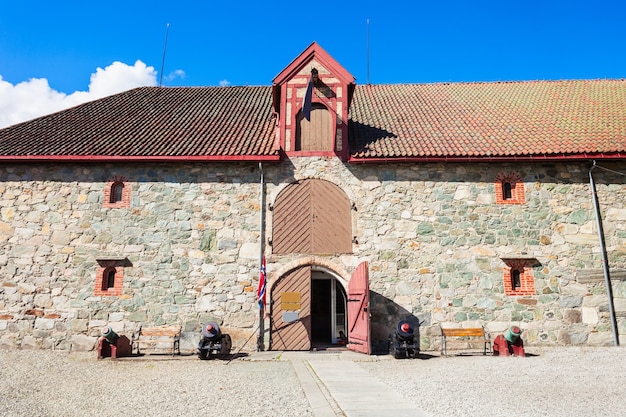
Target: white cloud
point(34, 98)
point(175, 74)
point(224, 83)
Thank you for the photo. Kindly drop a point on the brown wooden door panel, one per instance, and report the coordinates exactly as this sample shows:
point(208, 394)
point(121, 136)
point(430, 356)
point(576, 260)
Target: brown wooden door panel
point(316, 134)
point(292, 224)
point(292, 335)
point(332, 223)
point(312, 216)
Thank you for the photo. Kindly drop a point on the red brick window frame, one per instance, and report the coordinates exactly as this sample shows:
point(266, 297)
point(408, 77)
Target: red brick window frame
point(117, 193)
point(109, 278)
point(509, 188)
point(518, 277)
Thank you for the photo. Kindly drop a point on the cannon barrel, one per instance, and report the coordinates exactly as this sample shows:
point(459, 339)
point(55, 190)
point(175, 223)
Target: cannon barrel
point(211, 331)
point(213, 341)
point(404, 331)
point(403, 343)
point(108, 333)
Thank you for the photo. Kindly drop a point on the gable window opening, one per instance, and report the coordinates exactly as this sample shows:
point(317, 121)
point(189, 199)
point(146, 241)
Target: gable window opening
point(315, 134)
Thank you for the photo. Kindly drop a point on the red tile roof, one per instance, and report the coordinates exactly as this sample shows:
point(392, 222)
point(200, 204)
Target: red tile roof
point(152, 122)
point(542, 119)
point(504, 119)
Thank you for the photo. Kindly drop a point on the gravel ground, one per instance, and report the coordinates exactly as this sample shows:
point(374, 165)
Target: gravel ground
point(558, 382)
point(47, 383)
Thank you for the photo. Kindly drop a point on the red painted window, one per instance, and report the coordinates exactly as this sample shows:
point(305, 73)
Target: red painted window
point(509, 188)
point(518, 277)
point(117, 193)
point(109, 280)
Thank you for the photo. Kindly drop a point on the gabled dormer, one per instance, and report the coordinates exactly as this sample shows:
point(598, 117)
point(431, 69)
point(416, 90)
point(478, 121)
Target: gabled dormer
point(319, 126)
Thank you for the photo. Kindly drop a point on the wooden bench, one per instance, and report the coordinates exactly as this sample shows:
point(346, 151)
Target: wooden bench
point(468, 336)
point(158, 338)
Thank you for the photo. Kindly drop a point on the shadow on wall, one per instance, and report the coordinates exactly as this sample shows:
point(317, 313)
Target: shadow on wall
point(385, 316)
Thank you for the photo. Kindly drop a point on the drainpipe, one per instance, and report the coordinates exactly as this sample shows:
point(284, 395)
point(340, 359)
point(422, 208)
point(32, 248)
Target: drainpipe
point(605, 263)
point(260, 346)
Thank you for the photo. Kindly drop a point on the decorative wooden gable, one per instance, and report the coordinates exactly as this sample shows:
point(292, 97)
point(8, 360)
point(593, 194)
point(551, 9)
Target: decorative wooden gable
point(323, 128)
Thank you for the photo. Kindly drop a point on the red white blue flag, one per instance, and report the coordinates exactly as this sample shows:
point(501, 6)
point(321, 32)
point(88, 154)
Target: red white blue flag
point(308, 96)
point(260, 293)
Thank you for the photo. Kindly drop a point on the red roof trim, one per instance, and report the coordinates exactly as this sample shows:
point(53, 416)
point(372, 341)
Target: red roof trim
point(528, 158)
point(313, 153)
point(99, 158)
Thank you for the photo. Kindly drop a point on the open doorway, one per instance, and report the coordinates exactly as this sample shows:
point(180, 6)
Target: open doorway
point(328, 311)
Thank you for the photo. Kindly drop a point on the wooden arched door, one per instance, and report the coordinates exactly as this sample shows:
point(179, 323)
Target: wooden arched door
point(291, 311)
point(312, 216)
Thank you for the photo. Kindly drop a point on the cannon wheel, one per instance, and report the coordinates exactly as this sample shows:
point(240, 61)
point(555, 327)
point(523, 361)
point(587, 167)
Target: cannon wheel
point(400, 354)
point(394, 348)
point(226, 345)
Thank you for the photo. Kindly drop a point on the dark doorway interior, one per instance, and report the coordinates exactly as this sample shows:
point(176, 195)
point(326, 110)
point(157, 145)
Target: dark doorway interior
point(321, 315)
point(328, 312)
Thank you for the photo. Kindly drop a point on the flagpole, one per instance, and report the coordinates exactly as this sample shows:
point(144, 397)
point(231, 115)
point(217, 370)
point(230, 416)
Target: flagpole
point(260, 345)
point(167, 29)
point(368, 51)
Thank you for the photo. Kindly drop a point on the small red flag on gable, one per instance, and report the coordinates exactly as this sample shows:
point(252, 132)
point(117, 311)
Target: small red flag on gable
point(260, 293)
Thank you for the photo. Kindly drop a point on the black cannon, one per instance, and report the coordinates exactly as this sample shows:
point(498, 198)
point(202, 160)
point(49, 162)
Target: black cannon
point(405, 342)
point(213, 341)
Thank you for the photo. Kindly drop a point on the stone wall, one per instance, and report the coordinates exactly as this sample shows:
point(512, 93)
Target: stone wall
point(436, 242)
point(433, 235)
point(191, 237)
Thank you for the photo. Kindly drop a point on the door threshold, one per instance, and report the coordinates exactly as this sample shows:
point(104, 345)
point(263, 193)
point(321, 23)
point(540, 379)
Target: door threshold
point(328, 348)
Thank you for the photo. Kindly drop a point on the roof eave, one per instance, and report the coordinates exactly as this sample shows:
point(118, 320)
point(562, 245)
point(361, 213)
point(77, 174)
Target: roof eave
point(475, 159)
point(152, 158)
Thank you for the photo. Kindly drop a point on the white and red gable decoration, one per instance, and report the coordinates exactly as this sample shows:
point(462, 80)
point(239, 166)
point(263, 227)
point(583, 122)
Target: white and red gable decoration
point(333, 90)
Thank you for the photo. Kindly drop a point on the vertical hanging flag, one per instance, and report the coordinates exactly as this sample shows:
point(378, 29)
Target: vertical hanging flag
point(308, 96)
point(260, 293)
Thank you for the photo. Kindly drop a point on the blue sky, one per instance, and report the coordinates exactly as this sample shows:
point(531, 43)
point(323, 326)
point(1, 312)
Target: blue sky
point(69, 47)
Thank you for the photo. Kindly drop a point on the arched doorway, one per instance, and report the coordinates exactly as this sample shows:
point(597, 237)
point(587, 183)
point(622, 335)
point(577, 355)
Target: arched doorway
point(328, 311)
point(308, 310)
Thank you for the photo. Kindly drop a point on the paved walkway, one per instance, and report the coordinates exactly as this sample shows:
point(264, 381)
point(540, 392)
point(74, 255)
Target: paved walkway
point(336, 386)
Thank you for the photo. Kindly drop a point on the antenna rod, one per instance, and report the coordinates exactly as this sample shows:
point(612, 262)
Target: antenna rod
point(368, 51)
point(167, 28)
